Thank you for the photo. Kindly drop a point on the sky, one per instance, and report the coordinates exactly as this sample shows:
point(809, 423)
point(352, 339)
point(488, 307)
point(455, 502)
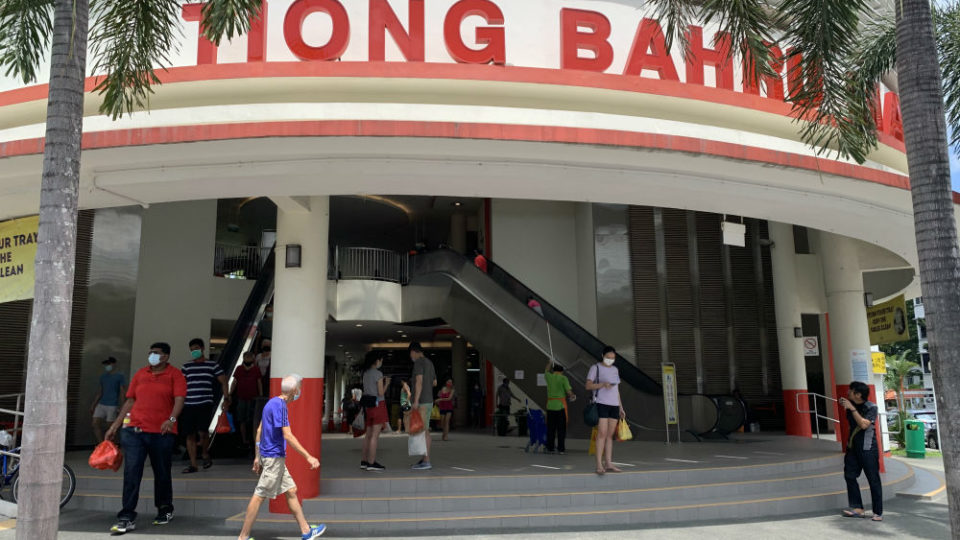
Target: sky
point(955, 170)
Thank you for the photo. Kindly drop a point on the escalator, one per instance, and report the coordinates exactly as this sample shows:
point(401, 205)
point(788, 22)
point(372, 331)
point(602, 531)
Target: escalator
point(491, 311)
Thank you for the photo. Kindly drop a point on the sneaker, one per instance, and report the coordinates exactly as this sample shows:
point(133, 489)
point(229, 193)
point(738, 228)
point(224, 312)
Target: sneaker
point(364, 465)
point(163, 518)
point(315, 532)
point(376, 467)
point(422, 466)
point(123, 526)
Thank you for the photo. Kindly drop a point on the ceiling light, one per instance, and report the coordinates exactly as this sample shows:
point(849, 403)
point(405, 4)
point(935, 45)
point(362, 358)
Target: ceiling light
point(458, 203)
point(399, 331)
point(341, 346)
point(359, 325)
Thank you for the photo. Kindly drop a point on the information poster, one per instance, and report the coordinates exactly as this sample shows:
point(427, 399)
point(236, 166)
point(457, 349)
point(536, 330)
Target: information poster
point(18, 249)
point(669, 373)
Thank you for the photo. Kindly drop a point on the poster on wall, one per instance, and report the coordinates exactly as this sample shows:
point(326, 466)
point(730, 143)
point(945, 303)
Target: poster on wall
point(18, 249)
point(879, 362)
point(862, 364)
point(888, 321)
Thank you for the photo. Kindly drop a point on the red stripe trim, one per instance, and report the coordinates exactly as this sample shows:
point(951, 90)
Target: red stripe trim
point(473, 72)
point(450, 130)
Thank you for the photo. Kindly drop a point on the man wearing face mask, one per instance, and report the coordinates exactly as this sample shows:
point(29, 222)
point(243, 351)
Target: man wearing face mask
point(154, 402)
point(107, 402)
point(248, 384)
point(202, 376)
point(263, 361)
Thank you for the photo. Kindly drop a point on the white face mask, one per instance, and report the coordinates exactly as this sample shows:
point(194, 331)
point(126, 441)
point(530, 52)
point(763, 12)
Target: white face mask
point(108, 368)
point(154, 359)
point(608, 361)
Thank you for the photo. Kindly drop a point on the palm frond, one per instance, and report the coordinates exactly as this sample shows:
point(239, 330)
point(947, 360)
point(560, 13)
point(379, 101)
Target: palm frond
point(228, 18)
point(675, 16)
point(748, 23)
point(823, 35)
point(947, 21)
point(873, 56)
point(25, 30)
point(130, 39)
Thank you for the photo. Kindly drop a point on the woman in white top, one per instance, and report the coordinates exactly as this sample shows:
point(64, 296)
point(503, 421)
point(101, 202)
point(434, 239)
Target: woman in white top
point(604, 380)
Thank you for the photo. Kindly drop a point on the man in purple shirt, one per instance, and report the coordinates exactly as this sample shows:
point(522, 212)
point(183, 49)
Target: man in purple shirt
point(273, 435)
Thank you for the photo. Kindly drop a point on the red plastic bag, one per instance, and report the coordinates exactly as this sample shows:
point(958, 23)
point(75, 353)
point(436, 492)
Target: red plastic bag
point(416, 422)
point(223, 424)
point(106, 456)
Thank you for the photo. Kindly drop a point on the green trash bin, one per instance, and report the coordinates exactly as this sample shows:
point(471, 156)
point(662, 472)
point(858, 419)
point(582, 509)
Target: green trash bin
point(915, 438)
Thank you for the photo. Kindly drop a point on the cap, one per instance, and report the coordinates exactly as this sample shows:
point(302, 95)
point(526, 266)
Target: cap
point(109, 360)
point(415, 346)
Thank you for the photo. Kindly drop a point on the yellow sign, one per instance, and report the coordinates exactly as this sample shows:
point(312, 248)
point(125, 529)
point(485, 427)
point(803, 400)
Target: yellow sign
point(888, 322)
point(18, 249)
point(879, 362)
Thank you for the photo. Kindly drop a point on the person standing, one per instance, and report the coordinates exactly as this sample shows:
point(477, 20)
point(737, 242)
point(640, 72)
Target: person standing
point(476, 406)
point(504, 395)
point(604, 380)
point(862, 453)
point(248, 384)
point(424, 380)
point(106, 404)
point(270, 461)
point(558, 392)
point(154, 401)
point(445, 402)
point(202, 375)
point(375, 412)
point(263, 362)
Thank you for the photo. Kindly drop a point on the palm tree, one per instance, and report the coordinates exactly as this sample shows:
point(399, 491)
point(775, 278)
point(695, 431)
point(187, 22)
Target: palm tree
point(129, 39)
point(898, 370)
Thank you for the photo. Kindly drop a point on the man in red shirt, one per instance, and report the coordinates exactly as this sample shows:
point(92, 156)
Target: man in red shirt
point(247, 383)
point(154, 400)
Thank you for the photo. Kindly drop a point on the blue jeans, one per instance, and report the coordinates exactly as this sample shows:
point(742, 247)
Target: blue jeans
point(136, 447)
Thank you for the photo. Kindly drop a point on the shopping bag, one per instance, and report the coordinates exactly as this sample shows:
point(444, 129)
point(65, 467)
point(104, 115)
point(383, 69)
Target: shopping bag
point(593, 441)
point(623, 431)
point(106, 456)
point(591, 415)
point(416, 422)
point(435, 413)
point(223, 424)
point(417, 444)
point(360, 421)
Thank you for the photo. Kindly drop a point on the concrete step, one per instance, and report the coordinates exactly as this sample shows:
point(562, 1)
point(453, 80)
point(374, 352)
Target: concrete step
point(927, 485)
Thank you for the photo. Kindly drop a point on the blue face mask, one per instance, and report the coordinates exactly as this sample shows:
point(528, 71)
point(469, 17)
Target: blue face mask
point(296, 396)
point(196, 354)
point(154, 359)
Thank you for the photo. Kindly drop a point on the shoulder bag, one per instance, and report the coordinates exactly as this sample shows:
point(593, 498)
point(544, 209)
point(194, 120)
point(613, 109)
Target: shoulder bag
point(591, 413)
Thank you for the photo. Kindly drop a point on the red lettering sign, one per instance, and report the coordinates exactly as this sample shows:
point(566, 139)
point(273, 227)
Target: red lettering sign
point(293, 29)
point(573, 39)
point(698, 57)
point(493, 39)
point(649, 51)
point(383, 19)
point(206, 50)
point(892, 121)
point(256, 37)
point(772, 85)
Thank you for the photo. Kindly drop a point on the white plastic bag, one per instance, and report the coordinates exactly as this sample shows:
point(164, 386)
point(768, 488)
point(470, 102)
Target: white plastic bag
point(417, 444)
point(360, 422)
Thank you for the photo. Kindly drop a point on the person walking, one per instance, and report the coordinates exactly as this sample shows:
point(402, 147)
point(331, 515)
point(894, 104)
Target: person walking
point(862, 453)
point(476, 406)
point(202, 375)
point(248, 384)
point(154, 401)
point(106, 403)
point(604, 380)
point(270, 461)
point(445, 402)
point(375, 412)
point(504, 395)
point(558, 392)
point(424, 379)
point(263, 362)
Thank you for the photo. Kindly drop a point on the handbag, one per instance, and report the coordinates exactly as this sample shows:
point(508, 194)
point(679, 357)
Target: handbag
point(435, 413)
point(591, 413)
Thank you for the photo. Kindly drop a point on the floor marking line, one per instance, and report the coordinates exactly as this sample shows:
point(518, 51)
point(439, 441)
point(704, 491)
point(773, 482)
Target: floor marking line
point(680, 460)
point(462, 469)
point(767, 453)
point(729, 457)
point(624, 464)
point(546, 467)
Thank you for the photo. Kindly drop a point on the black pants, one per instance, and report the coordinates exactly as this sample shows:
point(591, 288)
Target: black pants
point(868, 461)
point(136, 448)
point(557, 430)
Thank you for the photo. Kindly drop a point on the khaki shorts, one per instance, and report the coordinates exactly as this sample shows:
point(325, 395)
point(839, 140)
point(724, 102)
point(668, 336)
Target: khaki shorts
point(107, 412)
point(274, 478)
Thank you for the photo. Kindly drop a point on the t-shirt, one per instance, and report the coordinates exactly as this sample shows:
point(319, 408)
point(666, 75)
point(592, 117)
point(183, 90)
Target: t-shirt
point(504, 395)
point(154, 394)
point(370, 379)
point(557, 387)
point(272, 443)
point(423, 366)
point(247, 387)
point(201, 378)
point(110, 384)
point(263, 362)
point(606, 396)
point(863, 438)
point(444, 401)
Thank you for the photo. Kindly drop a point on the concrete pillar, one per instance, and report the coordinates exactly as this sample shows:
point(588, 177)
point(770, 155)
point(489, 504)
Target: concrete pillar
point(337, 396)
point(793, 370)
point(459, 365)
point(299, 340)
point(458, 232)
point(330, 381)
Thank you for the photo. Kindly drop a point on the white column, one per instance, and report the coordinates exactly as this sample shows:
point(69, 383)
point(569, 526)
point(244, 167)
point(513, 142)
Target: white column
point(843, 284)
point(793, 369)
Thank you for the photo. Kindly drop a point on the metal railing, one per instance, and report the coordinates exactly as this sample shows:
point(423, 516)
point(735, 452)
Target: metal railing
point(238, 262)
point(17, 413)
point(816, 411)
point(370, 263)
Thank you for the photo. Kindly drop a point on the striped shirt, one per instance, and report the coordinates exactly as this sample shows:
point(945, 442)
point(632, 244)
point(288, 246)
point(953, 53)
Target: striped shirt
point(201, 379)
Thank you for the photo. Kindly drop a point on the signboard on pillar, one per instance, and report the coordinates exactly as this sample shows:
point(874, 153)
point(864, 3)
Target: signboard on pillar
point(671, 414)
point(888, 321)
point(861, 363)
point(879, 363)
point(811, 346)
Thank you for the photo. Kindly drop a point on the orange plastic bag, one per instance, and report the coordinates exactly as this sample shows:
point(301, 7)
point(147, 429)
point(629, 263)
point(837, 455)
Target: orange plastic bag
point(106, 456)
point(416, 423)
point(223, 424)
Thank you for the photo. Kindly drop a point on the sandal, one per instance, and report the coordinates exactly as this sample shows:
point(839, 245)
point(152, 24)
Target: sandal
point(877, 518)
point(207, 463)
point(613, 469)
point(851, 513)
point(190, 470)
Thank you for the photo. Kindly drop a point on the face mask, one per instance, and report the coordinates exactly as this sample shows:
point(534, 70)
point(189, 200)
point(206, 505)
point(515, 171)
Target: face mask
point(449, 385)
point(266, 349)
point(248, 364)
point(608, 361)
point(196, 354)
point(296, 396)
point(154, 359)
point(108, 368)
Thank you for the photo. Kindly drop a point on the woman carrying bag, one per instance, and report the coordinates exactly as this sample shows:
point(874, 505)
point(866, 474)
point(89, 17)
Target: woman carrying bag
point(604, 380)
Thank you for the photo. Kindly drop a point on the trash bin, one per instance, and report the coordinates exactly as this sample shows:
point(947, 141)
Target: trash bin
point(915, 439)
point(521, 423)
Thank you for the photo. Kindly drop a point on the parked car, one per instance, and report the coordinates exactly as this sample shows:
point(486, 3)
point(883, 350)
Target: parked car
point(929, 419)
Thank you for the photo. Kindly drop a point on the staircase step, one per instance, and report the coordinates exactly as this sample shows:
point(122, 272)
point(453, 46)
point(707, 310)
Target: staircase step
point(927, 485)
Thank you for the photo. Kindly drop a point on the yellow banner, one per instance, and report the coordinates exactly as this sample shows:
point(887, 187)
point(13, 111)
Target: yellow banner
point(879, 362)
point(18, 249)
point(888, 322)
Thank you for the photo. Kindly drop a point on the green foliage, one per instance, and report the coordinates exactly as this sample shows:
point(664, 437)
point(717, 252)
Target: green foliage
point(898, 369)
point(25, 30)
point(946, 18)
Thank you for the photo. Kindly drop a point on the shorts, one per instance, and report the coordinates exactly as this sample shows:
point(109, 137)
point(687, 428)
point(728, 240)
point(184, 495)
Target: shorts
point(245, 410)
point(195, 418)
point(426, 409)
point(275, 479)
point(608, 411)
point(376, 415)
point(446, 411)
point(107, 412)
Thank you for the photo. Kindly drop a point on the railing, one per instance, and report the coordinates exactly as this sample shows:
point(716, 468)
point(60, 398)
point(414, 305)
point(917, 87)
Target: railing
point(17, 413)
point(370, 263)
point(238, 262)
point(882, 415)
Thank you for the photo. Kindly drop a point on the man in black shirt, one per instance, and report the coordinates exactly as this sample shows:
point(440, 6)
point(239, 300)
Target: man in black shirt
point(862, 452)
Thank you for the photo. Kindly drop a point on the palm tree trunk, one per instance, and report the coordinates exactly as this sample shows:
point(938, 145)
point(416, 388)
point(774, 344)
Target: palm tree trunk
point(926, 140)
point(46, 413)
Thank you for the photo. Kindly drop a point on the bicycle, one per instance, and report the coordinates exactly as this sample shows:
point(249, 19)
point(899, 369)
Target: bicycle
point(10, 476)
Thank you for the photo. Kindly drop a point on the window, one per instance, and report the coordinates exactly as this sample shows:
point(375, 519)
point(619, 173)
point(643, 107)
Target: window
point(925, 362)
point(922, 331)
